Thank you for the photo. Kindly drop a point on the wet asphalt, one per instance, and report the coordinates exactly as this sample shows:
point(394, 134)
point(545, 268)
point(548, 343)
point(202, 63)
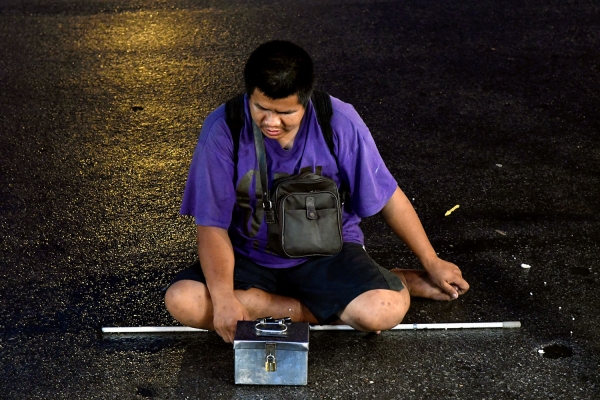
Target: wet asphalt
point(489, 105)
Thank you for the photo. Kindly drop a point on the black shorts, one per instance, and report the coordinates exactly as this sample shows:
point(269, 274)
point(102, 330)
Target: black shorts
point(325, 285)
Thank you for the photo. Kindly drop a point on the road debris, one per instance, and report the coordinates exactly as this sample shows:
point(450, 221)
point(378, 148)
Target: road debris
point(450, 211)
point(500, 232)
point(526, 266)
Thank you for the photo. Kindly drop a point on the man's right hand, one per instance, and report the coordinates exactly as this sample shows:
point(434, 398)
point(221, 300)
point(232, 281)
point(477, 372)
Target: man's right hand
point(217, 260)
point(227, 312)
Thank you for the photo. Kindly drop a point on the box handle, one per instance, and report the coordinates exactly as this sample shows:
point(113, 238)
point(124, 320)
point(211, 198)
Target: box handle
point(272, 327)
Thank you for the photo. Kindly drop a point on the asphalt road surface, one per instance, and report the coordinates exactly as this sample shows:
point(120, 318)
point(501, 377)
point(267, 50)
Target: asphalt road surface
point(490, 105)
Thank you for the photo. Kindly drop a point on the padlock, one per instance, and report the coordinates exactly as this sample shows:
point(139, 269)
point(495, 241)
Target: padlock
point(271, 362)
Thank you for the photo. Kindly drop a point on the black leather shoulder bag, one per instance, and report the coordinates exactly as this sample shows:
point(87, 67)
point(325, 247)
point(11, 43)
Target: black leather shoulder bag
point(303, 212)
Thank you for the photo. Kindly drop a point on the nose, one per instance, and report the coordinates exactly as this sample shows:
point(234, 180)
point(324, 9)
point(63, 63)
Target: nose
point(271, 119)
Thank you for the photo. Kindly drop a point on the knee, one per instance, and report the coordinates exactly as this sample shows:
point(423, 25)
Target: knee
point(177, 295)
point(188, 302)
point(378, 311)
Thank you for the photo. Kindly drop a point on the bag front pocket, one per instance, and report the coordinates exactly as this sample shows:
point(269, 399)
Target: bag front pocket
point(304, 234)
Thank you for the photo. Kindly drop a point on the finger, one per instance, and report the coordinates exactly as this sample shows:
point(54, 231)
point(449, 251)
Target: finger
point(461, 285)
point(246, 315)
point(232, 333)
point(226, 334)
point(222, 334)
point(450, 290)
point(460, 290)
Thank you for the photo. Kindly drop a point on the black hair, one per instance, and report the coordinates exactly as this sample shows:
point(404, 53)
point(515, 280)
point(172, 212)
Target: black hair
point(280, 69)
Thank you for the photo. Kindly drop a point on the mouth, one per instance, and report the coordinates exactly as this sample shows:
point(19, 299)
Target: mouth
point(272, 131)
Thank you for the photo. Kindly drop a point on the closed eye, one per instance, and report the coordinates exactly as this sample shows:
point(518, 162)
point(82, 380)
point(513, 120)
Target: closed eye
point(261, 108)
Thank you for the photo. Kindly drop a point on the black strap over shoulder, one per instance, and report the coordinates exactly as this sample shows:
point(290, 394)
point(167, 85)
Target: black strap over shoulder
point(322, 103)
point(234, 116)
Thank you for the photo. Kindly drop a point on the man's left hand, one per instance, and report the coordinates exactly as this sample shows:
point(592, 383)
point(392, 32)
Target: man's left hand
point(447, 276)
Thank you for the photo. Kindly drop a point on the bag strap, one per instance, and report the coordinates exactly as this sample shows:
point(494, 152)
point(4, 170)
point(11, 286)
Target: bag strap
point(234, 116)
point(322, 104)
point(259, 145)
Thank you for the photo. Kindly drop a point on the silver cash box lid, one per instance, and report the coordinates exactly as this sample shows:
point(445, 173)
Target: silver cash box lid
point(288, 335)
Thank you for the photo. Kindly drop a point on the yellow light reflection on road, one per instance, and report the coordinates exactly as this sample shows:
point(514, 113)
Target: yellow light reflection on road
point(144, 65)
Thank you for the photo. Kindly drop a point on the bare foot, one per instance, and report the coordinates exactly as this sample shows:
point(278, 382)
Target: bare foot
point(419, 285)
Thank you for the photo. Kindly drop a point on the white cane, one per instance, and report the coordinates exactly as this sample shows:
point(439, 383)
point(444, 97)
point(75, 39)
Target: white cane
point(452, 325)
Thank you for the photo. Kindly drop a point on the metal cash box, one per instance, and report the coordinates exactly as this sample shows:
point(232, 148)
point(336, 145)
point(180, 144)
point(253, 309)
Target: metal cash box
point(271, 352)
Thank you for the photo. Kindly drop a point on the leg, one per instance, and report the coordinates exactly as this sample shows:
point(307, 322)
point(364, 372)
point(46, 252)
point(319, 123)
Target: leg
point(189, 302)
point(383, 309)
point(418, 284)
point(376, 310)
point(348, 287)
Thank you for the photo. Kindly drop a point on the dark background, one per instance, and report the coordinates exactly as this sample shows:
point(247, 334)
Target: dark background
point(492, 105)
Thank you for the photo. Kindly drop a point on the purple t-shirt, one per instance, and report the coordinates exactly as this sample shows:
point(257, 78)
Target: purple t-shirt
point(213, 198)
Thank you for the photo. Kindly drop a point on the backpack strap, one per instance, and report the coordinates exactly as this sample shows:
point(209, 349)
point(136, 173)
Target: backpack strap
point(322, 104)
point(234, 116)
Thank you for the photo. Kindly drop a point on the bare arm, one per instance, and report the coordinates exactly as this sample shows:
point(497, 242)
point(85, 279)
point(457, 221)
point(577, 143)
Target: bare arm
point(402, 218)
point(217, 261)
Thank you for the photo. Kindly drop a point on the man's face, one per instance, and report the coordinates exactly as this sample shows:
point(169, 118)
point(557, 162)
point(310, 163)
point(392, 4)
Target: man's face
point(277, 119)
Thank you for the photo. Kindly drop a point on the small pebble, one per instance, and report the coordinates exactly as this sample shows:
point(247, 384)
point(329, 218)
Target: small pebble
point(526, 266)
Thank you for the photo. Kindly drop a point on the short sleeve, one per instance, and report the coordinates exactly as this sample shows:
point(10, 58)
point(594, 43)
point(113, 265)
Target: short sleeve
point(209, 194)
point(371, 184)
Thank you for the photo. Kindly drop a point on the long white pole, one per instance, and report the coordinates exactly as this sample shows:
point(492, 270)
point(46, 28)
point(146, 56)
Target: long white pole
point(151, 329)
point(454, 325)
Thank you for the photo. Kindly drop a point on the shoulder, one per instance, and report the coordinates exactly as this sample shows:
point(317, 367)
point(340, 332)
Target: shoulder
point(215, 121)
point(215, 135)
point(345, 116)
point(352, 136)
